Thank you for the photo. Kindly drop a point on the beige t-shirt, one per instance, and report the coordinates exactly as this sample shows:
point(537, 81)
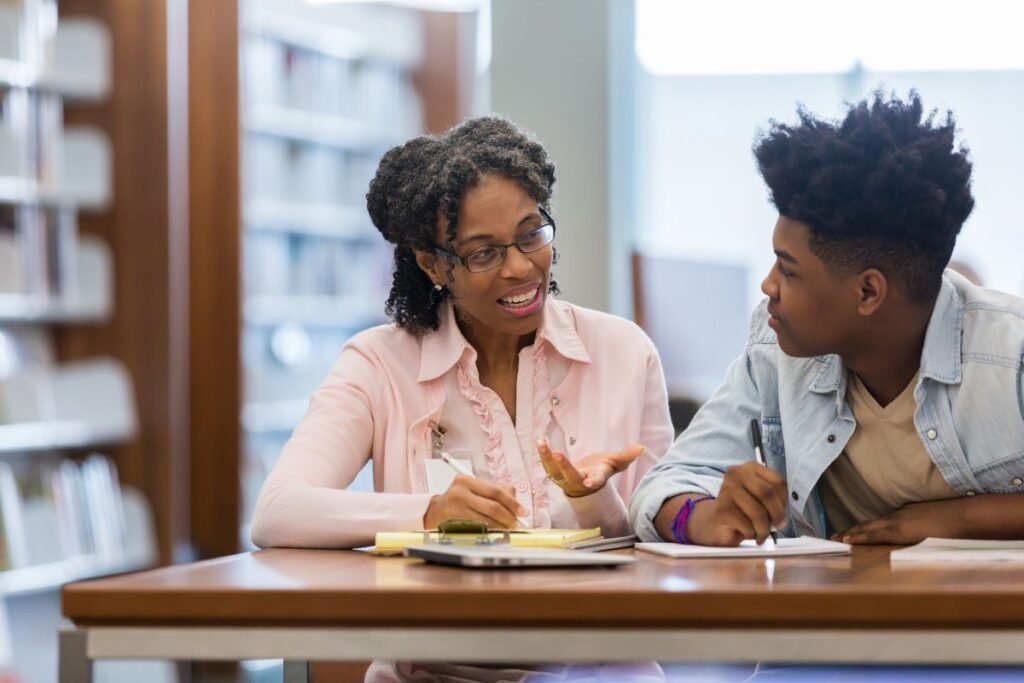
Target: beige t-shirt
point(885, 464)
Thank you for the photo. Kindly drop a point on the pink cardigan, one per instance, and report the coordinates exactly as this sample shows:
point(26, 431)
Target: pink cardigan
point(590, 382)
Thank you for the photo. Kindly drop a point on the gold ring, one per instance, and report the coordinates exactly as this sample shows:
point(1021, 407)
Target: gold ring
point(558, 482)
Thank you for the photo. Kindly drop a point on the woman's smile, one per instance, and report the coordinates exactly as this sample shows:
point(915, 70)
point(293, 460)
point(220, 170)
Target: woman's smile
point(522, 301)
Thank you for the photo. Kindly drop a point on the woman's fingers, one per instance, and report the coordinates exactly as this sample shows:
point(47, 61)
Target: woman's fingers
point(567, 472)
point(546, 459)
point(503, 497)
point(626, 456)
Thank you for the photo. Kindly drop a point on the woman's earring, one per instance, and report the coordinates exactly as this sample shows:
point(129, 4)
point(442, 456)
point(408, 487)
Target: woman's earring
point(437, 289)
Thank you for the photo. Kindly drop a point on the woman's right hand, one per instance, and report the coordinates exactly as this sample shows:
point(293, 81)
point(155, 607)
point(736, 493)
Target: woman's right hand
point(477, 500)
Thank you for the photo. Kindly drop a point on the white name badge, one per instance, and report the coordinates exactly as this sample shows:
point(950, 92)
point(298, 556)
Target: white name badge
point(440, 475)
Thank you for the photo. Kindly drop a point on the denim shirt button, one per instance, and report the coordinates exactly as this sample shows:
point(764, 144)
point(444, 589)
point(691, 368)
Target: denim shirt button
point(932, 434)
point(1017, 481)
point(796, 496)
point(831, 438)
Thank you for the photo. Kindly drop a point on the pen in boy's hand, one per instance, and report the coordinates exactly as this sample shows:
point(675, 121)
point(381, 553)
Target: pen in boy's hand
point(755, 436)
point(462, 469)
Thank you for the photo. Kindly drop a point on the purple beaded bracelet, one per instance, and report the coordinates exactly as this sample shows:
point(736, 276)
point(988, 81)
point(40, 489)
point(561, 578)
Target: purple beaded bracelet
point(683, 516)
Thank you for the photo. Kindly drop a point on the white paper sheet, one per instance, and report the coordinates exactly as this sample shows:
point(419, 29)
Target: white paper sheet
point(948, 551)
point(803, 545)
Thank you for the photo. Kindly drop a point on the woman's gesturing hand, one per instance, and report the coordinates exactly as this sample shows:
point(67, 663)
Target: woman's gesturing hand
point(588, 474)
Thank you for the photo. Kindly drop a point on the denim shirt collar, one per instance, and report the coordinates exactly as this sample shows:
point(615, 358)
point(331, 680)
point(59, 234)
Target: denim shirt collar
point(940, 358)
point(443, 348)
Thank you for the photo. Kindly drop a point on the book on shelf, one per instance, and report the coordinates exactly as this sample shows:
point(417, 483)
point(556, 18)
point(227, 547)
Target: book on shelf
point(10, 509)
point(60, 510)
point(39, 518)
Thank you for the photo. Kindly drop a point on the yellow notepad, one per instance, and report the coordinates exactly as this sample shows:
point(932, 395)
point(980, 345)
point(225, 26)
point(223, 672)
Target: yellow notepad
point(519, 538)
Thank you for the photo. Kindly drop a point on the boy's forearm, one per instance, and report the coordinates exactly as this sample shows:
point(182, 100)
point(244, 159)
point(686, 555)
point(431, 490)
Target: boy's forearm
point(993, 515)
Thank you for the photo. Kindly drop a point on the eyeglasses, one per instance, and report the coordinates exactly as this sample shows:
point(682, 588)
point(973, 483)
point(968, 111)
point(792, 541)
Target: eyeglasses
point(493, 255)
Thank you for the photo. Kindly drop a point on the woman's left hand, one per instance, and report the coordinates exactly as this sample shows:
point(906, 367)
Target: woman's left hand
point(588, 474)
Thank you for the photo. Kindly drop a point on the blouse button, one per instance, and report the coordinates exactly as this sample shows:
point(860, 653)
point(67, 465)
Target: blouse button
point(554, 400)
point(572, 442)
point(970, 493)
point(522, 487)
point(932, 434)
point(1017, 481)
point(831, 438)
point(796, 496)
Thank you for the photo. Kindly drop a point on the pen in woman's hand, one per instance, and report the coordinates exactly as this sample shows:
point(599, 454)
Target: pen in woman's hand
point(755, 436)
point(521, 522)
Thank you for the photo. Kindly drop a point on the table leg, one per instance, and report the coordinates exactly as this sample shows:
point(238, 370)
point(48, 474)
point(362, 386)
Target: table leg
point(74, 665)
point(296, 671)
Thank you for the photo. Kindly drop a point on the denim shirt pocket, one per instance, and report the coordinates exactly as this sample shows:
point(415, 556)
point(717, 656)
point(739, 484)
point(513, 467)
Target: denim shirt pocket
point(988, 424)
point(1002, 476)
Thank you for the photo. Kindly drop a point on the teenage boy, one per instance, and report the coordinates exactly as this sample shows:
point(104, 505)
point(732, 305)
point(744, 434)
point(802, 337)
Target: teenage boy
point(888, 390)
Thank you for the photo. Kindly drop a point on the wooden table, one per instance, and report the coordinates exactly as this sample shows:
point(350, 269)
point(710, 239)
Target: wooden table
point(309, 605)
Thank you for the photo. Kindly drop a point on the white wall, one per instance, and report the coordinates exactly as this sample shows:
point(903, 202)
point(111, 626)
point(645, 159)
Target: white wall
point(700, 194)
point(549, 74)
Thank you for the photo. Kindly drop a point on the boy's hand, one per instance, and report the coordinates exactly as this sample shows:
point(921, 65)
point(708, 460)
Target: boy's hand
point(910, 524)
point(751, 500)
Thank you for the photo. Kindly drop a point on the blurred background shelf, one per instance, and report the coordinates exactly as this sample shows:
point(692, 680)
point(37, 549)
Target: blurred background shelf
point(313, 311)
point(316, 128)
point(77, 66)
point(330, 41)
point(27, 580)
point(15, 190)
point(65, 386)
point(86, 298)
point(15, 74)
point(58, 435)
point(320, 220)
point(22, 309)
point(331, 32)
point(84, 180)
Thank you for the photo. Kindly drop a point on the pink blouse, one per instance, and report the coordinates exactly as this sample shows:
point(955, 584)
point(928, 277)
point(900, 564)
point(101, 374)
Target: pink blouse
point(590, 382)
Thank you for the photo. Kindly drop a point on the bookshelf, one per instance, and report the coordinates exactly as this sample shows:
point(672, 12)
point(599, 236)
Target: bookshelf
point(290, 112)
point(326, 90)
point(64, 514)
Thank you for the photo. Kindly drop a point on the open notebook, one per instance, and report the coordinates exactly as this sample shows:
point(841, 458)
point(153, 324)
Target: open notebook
point(387, 541)
point(802, 545)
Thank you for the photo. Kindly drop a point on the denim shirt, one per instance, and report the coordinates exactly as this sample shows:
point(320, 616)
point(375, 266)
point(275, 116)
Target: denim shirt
point(969, 415)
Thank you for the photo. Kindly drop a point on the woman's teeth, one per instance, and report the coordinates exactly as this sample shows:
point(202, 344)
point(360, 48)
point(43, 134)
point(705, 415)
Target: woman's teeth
point(519, 299)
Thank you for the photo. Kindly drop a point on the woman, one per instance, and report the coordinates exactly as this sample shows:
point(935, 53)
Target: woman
point(481, 362)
